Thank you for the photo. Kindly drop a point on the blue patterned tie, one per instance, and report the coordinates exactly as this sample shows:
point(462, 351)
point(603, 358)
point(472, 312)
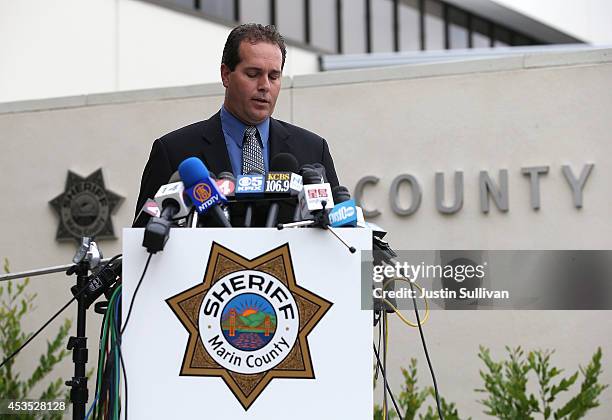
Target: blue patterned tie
point(252, 154)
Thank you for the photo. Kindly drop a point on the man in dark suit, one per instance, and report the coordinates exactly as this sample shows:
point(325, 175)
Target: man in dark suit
point(242, 137)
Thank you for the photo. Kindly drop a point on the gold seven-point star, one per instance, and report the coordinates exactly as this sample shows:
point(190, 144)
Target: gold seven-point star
point(187, 306)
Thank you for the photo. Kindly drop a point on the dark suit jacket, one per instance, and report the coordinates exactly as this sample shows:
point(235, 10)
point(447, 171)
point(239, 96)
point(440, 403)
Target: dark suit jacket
point(205, 140)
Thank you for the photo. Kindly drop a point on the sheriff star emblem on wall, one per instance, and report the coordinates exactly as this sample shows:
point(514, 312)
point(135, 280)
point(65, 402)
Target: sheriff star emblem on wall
point(85, 208)
point(248, 322)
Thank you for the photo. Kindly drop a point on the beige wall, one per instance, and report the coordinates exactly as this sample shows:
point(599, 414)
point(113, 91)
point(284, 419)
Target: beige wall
point(545, 109)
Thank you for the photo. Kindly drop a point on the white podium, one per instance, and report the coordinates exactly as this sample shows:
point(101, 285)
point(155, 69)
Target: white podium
point(248, 324)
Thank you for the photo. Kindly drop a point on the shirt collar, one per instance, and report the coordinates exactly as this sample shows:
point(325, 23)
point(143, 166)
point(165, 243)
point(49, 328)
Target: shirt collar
point(234, 128)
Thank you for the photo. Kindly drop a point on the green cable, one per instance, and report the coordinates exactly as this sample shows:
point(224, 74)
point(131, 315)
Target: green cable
point(108, 317)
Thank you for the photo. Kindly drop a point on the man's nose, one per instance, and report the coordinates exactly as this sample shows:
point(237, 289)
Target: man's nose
point(264, 83)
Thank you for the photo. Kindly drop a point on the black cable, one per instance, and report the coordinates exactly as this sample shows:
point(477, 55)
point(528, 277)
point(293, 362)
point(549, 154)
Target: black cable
point(53, 317)
point(379, 336)
point(384, 376)
point(39, 331)
point(127, 318)
point(433, 376)
point(118, 347)
point(124, 380)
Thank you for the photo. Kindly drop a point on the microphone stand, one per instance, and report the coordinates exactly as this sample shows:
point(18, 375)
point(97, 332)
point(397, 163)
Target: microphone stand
point(321, 220)
point(87, 257)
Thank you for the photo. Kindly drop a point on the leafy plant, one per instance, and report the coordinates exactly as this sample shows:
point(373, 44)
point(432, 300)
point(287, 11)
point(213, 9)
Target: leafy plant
point(15, 303)
point(505, 384)
point(411, 399)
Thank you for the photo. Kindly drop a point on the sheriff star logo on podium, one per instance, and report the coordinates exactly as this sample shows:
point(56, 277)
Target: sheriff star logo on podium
point(248, 322)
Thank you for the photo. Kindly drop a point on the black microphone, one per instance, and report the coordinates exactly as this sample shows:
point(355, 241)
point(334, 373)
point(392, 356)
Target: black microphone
point(321, 171)
point(282, 175)
point(340, 194)
point(170, 199)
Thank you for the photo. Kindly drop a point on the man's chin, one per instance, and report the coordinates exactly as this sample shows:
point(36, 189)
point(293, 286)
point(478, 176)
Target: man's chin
point(258, 118)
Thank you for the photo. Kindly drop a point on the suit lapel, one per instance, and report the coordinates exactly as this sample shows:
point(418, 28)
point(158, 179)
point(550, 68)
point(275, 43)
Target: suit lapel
point(214, 151)
point(278, 139)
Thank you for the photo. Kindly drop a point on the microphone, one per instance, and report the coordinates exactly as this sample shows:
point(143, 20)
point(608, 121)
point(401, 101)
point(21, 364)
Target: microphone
point(281, 182)
point(321, 171)
point(202, 190)
point(248, 187)
point(226, 182)
point(315, 195)
point(170, 199)
point(171, 205)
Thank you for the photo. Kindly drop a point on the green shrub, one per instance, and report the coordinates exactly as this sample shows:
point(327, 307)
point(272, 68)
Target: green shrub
point(505, 384)
point(15, 303)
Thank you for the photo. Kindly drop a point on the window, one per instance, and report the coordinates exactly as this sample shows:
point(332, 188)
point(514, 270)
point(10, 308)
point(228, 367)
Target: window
point(409, 36)
point(457, 28)
point(382, 25)
point(480, 34)
point(434, 26)
point(221, 9)
point(323, 24)
point(254, 11)
point(290, 19)
point(353, 27)
point(502, 36)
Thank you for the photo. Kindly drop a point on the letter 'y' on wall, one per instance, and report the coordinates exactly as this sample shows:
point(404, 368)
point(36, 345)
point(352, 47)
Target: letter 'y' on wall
point(577, 185)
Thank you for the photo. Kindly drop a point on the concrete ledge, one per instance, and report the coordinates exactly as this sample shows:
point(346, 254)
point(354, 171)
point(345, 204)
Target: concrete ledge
point(410, 71)
point(413, 71)
point(552, 59)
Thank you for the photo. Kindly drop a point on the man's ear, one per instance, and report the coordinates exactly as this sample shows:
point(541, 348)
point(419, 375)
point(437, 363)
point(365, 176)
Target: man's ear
point(225, 72)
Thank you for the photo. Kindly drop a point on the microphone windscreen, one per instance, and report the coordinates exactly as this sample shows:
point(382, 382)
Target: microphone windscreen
point(192, 170)
point(321, 170)
point(227, 175)
point(340, 194)
point(310, 176)
point(284, 162)
point(174, 178)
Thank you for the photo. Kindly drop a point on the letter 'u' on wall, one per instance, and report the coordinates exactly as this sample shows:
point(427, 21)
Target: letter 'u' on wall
point(458, 204)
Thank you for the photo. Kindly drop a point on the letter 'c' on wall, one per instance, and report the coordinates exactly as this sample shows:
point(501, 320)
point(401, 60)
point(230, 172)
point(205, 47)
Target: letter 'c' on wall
point(370, 179)
point(394, 195)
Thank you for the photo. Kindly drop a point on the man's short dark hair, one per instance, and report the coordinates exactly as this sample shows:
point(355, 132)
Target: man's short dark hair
point(254, 33)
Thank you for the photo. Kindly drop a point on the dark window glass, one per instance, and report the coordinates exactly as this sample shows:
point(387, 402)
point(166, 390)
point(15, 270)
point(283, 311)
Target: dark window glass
point(185, 3)
point(409, 25)
point(457, 28)
point(480, 33)
point(323, 24)
point(382, 25)
point(290, 18)
point(502, 36)
point(223, 9)
point(255, 11)
point(434, 26)
point(353, 27)
point(521, 40)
